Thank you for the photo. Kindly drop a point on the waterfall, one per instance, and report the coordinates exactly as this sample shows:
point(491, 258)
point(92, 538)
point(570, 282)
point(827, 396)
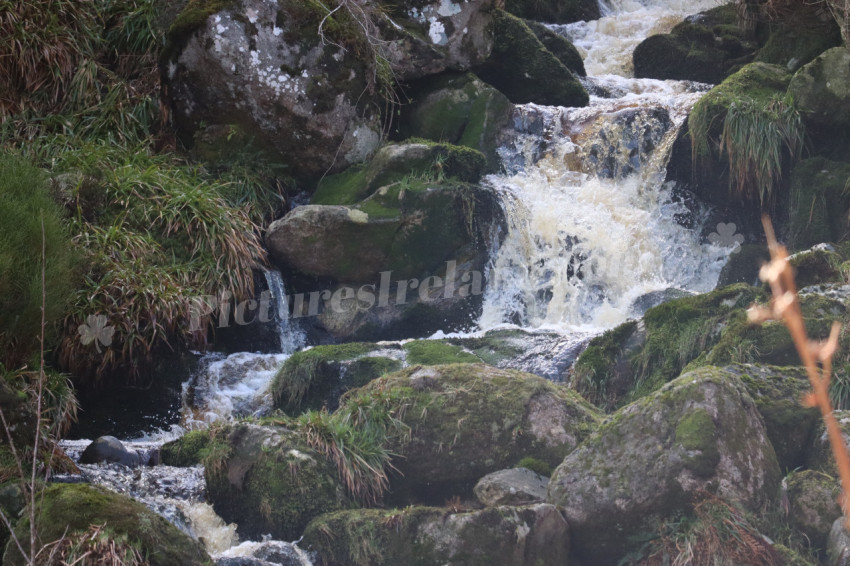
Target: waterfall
point(291, 337)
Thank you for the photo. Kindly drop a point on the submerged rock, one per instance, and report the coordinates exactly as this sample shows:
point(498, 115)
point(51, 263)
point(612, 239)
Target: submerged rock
point(424, 536)
point(516, 486)
point(467, 420)
point(699, 432)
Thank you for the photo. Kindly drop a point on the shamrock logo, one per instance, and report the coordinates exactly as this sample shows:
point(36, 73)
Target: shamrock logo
point(726, 237)
point(96, 330)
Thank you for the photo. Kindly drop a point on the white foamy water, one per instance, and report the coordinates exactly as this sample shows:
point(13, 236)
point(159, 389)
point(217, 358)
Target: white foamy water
point(607, 44)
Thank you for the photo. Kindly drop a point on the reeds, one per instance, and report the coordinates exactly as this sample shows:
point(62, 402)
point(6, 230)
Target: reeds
point(816, 356)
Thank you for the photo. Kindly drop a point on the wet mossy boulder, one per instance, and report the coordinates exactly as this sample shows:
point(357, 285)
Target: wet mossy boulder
point(265, 479)
point(69, 510)
point(525, 71)
point(428, 536)
point(794, 42)
point(818, 202)
point(395, 162)
point(707, 47)
point(555, 11)
point(700, 432)
point(820, 457)
point(821, 89)
point(697, 161)
point(812, 504)
point(191, 449)
point(467, 420)
point(459, 109)
point(743, 265)
point(778, 393)
point(561, 47)
point(818, 265)
point(318, 377)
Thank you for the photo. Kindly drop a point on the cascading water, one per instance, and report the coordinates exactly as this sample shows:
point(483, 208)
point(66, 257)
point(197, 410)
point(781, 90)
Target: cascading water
point(592, 230)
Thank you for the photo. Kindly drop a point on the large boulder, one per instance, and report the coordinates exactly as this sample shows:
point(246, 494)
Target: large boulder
point(516, 486)
point(109, 449)
point(523, 69)
point(821, 89)
point(71, 511)
point(424, 536)
point(700, 432)
point(310, 85)
point(707, 47)
point(467, 420)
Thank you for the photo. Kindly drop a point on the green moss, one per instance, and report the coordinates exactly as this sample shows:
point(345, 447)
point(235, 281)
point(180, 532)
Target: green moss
point(793, 45)
point(594, 370)
point(818, 202)
point(69, 509)
point(495, 347)
point(696, 433)
point(435, 352)
point(535, 465)
point(188, 450)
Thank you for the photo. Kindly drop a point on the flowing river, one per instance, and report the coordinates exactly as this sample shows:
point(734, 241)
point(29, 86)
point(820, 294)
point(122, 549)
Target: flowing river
point(593, 240)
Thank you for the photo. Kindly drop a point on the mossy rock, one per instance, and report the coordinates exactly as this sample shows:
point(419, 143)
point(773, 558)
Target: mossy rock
point(428, 536)
point(793, 44)
point(191, 449)
point(778, 393)
point(701, 164)
point(525, 71)
point(394, 162)
point(646, 462)
point(818, 202)
point(743, 265)
point(437, 352)
point(467, 420)
point(817, 265)
point(70, 509)
point(602, 373)
point(821, 458)
point(12, 503)
point(560, 46)
point(555, 11)
point(458, 109)
point(707, 47)
point(318, 377)
point(812, 504)
point(269, 482)
point(820, 89)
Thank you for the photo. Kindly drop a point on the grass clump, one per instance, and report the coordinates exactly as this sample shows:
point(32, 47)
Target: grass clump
point(758, 139)
point(28, 214)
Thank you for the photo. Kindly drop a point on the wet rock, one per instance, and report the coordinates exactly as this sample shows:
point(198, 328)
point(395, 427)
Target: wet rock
point(699, 432)
point(820, 89)
point(707, 47)
point(467, 420)
point(508, 536)
point(838, 545)
point(743, 266)
point(560, 47)
point(525, 71)
point(817, 265)
point(812, 504)
point(555, 11)
point(269, 553)
point(818, 203)
point(110, 449)
point(799, 36)
point(69, 510)
point(458, 109)
point(516, 486)
point(655, 298)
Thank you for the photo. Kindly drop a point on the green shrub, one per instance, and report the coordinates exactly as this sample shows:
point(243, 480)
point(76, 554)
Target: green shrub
point(30, 219)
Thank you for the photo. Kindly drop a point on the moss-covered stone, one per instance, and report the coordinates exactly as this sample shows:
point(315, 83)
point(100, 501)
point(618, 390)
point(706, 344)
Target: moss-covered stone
point(743, 266)
point(820, 89)
point(817, 265)
point(812, 504)
point(414, 158)
point(436, 352)
point(554, 11)
point(793, 44)
point(70, 509)
point(700, 432)
point(191, 449)
point(271, 483)
point(318, 377)
point(560, 46)
point(602, 373)
point(532, 535)
point(467, 420)
point(818, 202)
point(707, 47)
point(524, 70)
point(458, 109)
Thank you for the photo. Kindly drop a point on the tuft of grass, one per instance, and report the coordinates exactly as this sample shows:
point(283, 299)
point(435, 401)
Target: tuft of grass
point(435, 352)
point(99, 545)
point(758, 139)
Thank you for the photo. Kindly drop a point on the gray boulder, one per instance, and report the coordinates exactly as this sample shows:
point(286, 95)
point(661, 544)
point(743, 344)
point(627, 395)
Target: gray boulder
point(699, 432)
point(110, 449)
point(821, 89)
point(516, 486)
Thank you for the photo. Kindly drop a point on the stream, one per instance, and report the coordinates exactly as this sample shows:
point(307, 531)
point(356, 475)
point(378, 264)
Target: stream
point(594, 239)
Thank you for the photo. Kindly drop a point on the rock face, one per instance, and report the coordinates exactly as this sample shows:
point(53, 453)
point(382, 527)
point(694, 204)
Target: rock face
point(70, 509)
point(812, 504)
point(702, 431)
point(517, 486)
point(109, 449)
point(821, 89)
point(307, 87)
point(467, 420)
point(424, 536)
